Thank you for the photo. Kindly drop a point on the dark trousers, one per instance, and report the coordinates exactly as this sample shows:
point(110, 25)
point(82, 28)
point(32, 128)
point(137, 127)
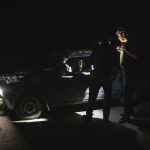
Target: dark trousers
point(128, 91)
point(95, 85)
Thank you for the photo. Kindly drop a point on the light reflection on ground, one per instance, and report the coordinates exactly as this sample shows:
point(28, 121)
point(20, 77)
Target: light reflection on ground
point(31, 121)
point(99, 96)
point(96, 114)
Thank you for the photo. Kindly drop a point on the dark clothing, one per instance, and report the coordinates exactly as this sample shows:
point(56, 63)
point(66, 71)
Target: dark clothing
point(128, 92)
point(129, 68)
point(104, 60)
point(96, 83)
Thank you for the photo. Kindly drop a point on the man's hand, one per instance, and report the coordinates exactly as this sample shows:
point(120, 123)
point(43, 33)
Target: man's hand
point(120, 49)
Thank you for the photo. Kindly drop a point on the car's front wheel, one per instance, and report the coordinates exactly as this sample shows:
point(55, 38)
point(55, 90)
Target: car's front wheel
point(29, 107)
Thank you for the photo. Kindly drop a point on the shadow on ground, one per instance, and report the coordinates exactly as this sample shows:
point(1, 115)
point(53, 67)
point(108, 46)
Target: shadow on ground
point(69, 131)
point(142, 120)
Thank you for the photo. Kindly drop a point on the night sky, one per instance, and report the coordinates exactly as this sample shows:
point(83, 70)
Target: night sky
point(31, 30)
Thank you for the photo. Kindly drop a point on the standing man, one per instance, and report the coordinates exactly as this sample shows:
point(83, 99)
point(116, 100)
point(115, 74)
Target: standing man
point(128, 65)
point(104, 60)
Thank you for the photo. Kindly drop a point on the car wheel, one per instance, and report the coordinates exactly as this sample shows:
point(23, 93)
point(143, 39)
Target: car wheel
point(29, 107)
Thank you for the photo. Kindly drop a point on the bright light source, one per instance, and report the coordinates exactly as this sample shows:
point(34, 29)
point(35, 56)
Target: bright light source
point(67, 76)
point(69, 69)
point(92, 67)
point(86, 73)
point(81, 113)
point(30, 121)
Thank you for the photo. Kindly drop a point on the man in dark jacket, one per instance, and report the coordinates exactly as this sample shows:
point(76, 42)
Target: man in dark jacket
point(104, 60)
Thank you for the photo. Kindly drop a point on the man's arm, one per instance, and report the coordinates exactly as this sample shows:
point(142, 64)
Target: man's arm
point(131, 54)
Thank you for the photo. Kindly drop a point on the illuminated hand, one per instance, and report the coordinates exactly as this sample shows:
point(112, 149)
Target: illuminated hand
point(120, 49)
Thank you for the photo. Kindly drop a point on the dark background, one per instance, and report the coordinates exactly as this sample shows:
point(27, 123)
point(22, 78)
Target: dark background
point(31, 30)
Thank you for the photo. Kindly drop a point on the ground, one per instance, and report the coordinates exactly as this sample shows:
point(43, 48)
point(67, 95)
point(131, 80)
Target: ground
point(69, 131)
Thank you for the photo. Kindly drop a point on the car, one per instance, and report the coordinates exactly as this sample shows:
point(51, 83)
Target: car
point(79, 61)
point(29, 94)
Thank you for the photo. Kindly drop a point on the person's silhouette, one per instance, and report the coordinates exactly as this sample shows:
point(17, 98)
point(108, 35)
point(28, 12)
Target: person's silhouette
point(104, 60)
point(128, 65)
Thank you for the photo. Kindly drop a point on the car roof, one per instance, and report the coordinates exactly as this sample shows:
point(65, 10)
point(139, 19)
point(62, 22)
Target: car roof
point(80, 54)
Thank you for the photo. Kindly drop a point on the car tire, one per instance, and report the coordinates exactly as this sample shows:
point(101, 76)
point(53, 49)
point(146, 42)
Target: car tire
point(28, 107)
